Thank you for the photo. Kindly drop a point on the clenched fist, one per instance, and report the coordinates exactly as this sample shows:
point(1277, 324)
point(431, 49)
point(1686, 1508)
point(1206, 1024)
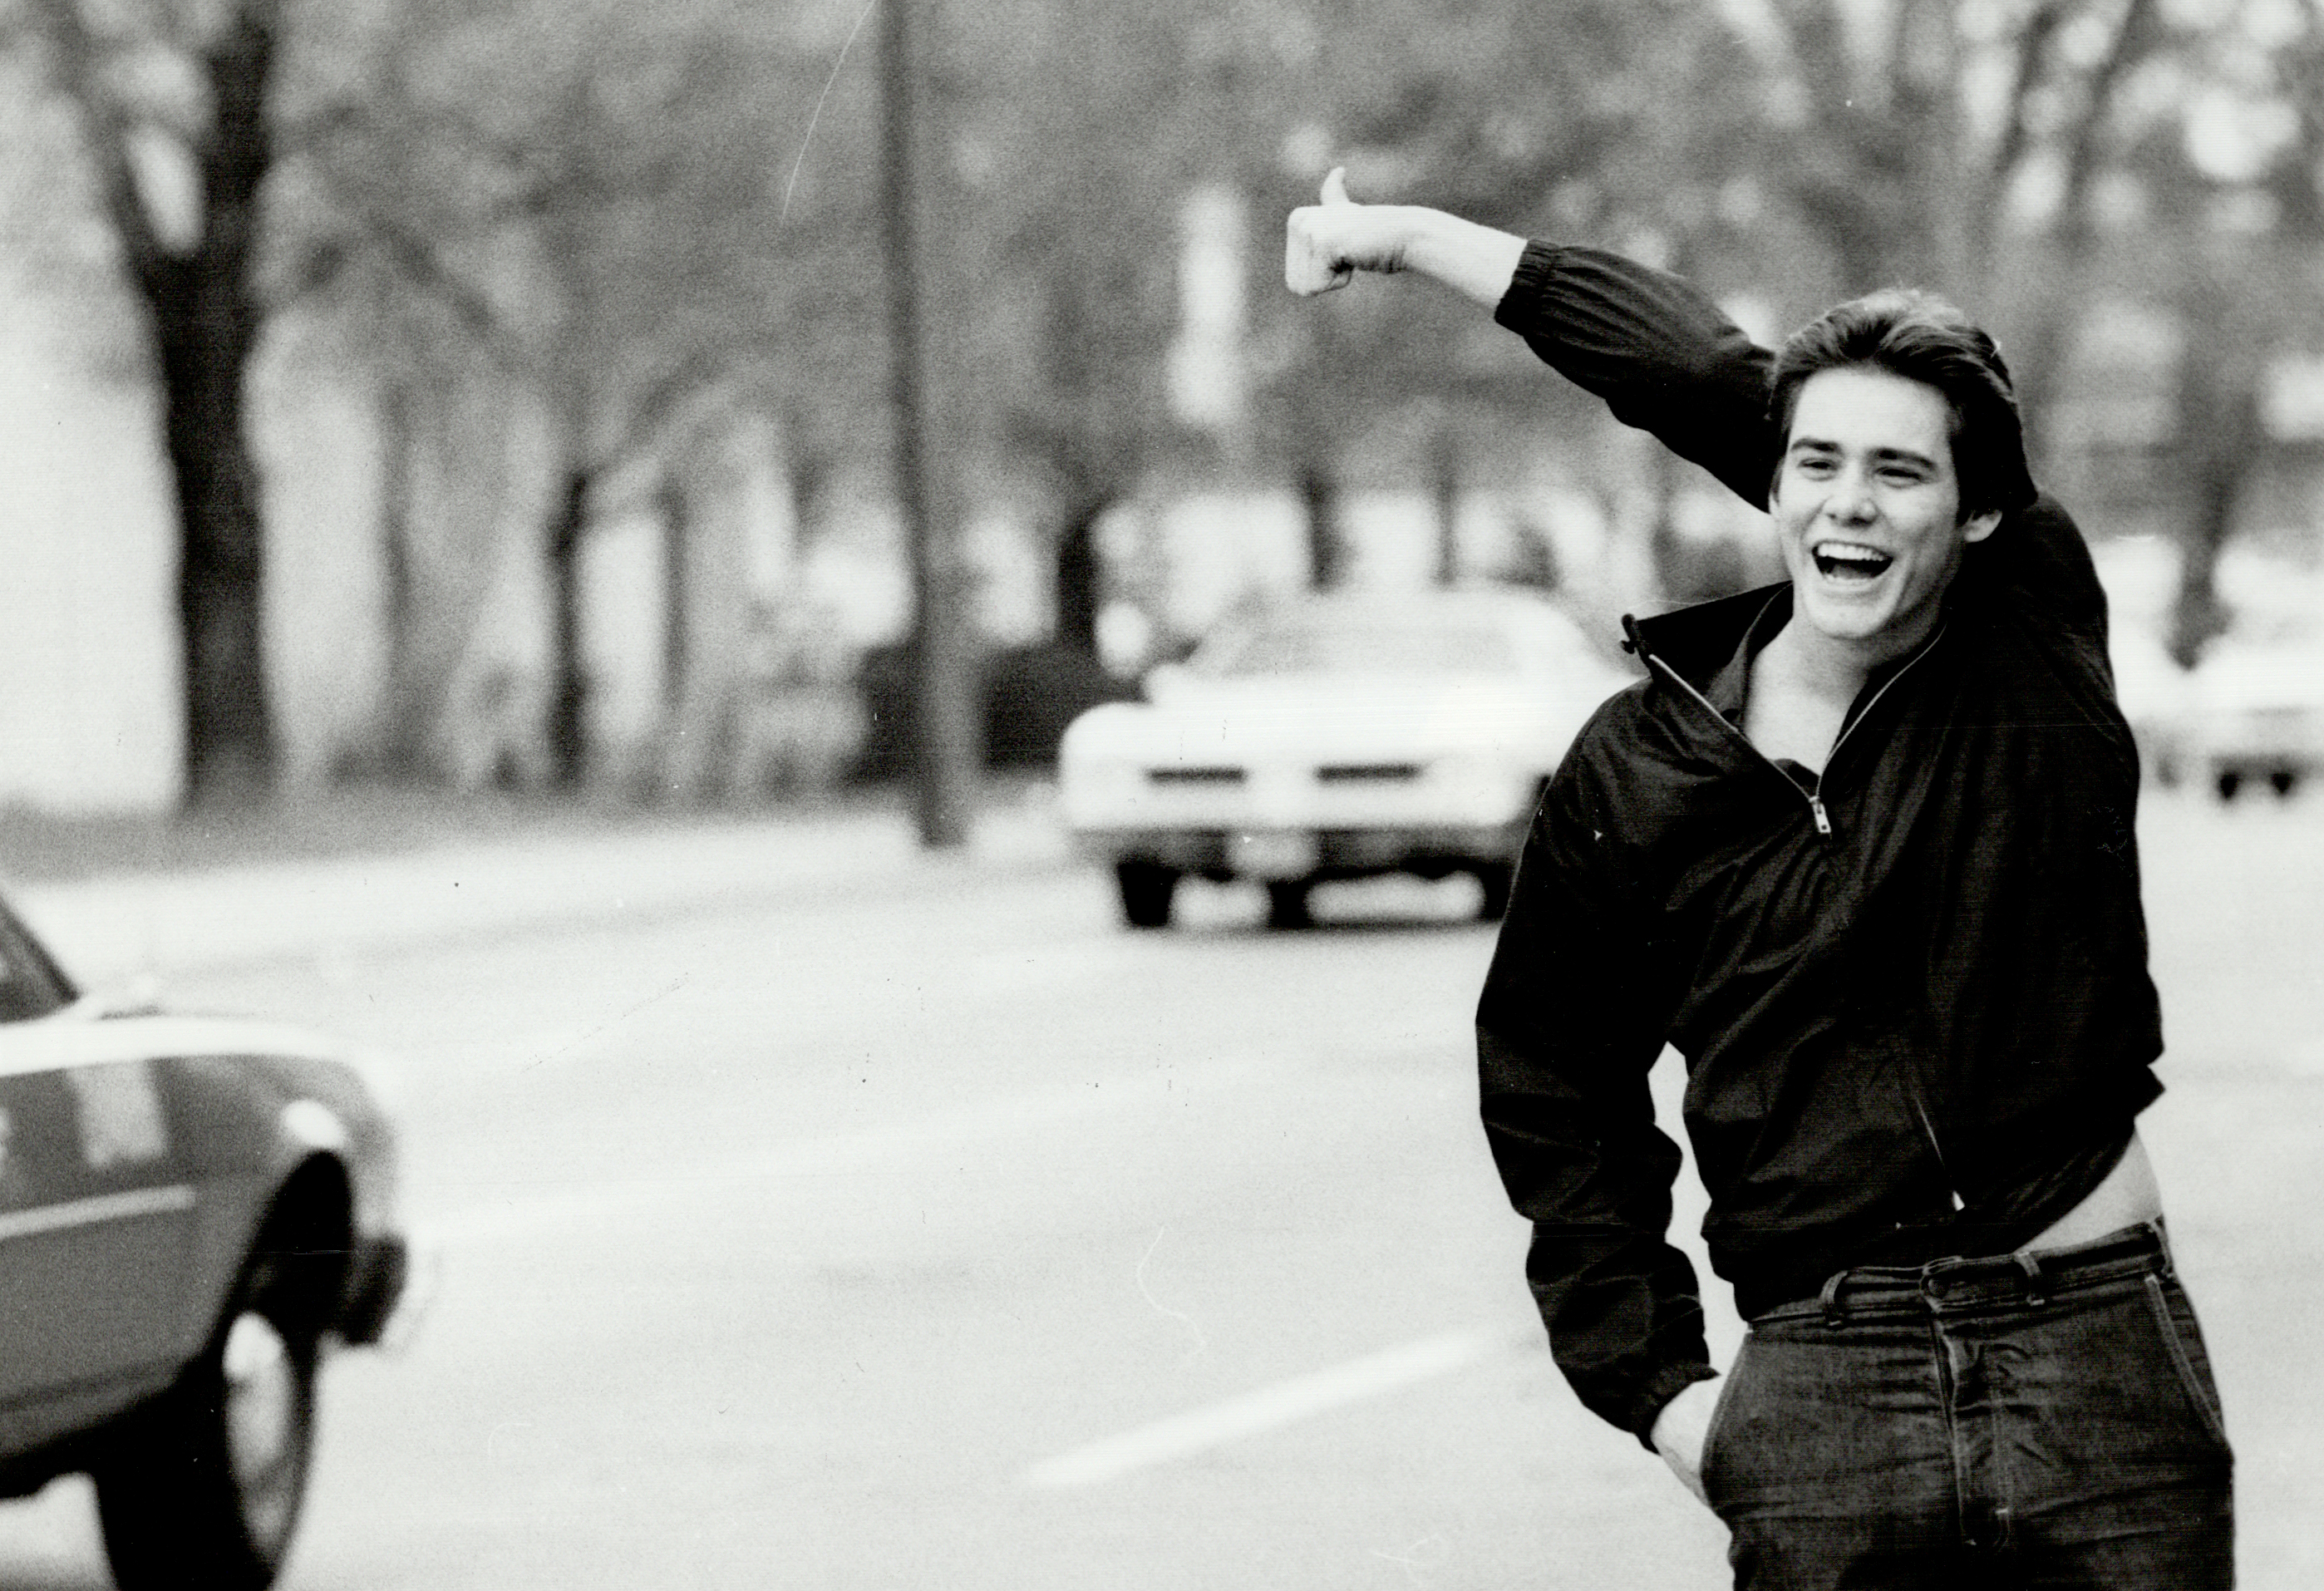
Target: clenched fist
point(1325, 244)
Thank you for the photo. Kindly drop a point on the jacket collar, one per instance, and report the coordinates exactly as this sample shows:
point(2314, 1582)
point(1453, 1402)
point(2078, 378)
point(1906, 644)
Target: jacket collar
point(1709, 645)
point(1696, 641)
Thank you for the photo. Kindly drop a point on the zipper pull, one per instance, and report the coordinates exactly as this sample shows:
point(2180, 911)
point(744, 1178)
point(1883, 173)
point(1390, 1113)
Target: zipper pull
point(1822, 818)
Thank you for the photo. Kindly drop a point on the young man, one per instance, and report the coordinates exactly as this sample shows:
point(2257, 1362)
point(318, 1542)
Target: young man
point(1860, 849)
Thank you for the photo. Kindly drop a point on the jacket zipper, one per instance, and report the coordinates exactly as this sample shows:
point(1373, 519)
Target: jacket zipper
point(1815, 797)
point(1823, 829)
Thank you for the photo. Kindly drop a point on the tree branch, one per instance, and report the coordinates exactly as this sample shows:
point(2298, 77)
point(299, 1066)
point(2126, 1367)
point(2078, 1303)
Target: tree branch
point(2018, 123)
point(417, 261)
point(104, 136)
point(661, 410)
point(2141, 27)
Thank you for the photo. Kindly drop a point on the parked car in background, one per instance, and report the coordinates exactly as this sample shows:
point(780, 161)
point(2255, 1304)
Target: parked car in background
point(192, 1210)
point(1335, 736)
point(2255, 714)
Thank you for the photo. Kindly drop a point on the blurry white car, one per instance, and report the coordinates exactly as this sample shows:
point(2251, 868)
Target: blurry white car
point(2256, 714)
point(1335, 736)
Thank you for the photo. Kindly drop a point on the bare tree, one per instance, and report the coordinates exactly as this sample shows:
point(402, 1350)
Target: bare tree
point(606, 239)
point(187, 93)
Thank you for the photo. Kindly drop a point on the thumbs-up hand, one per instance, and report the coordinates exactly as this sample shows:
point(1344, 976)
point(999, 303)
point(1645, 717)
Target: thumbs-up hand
point(1325, 244)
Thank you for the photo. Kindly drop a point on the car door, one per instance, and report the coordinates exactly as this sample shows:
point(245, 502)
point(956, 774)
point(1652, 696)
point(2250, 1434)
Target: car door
point(96, 1213)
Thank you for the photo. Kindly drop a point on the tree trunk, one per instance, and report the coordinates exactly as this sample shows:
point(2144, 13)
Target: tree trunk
point(399, 748)
point(676, 607)
point(440, 497)
point(2215, 477)
point(206, 324)
point(230, 749)
point(1326, 554)
point(693, 743)
point(2220, 433)
point(569, 705)
point(1444, 486)
point(1079, 581)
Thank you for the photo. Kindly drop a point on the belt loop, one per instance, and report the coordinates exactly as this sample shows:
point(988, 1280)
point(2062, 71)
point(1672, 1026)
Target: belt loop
point(1833, 1314)
point(2035, 1294)
point(2162, 1244)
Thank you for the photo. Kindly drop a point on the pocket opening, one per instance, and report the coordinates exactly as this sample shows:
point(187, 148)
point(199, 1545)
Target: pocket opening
point(2189, 1379)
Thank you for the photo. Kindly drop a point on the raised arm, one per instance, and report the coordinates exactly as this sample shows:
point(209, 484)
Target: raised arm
point(1662, 357)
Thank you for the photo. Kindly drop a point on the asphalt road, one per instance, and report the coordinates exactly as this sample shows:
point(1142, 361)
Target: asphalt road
point(944, 1235)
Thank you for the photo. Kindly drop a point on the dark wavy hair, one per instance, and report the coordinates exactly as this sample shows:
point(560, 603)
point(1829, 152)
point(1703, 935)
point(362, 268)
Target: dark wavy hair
point(1924, 338)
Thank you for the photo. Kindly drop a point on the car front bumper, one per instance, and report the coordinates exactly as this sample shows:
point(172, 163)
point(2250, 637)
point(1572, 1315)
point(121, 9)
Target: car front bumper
point(1221, 853)
point(377, 1272)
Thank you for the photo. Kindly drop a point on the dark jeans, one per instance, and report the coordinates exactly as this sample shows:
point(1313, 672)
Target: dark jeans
point(1980, 1423)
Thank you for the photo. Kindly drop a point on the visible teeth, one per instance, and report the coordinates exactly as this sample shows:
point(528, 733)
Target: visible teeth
point(1848, 558)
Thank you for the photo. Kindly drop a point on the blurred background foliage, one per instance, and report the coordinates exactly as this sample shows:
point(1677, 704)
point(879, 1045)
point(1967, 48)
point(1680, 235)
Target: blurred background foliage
point(617, 226)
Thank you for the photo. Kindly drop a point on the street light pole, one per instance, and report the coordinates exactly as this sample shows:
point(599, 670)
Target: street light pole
point(945, 741)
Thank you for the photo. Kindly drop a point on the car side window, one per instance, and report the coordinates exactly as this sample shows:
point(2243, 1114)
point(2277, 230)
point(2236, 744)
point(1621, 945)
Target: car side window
point(31, 983)
point(38, 1154)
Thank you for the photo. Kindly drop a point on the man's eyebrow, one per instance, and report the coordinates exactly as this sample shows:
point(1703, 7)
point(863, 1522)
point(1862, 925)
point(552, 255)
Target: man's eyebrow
point(1880, 455)
point(1903, 456)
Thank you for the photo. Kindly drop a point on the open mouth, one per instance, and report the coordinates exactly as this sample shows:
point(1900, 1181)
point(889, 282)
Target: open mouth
point(1848, 560)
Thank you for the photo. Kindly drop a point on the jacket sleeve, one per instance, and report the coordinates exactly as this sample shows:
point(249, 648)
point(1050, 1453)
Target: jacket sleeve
point(1664, 358)
point(1569, 1024)
point(2037, 567)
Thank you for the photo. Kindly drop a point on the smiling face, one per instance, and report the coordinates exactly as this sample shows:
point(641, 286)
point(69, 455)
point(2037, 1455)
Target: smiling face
point(1867, 510)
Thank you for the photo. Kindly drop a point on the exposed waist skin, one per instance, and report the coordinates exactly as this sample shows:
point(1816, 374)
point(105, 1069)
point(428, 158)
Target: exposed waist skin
point(2127, 1197)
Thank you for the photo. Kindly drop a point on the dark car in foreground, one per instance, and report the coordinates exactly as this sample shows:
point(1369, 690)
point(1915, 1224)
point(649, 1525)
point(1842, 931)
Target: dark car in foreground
point(193, 1211)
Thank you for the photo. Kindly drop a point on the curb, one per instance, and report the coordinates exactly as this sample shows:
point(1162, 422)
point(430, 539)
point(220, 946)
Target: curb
point(121, 926)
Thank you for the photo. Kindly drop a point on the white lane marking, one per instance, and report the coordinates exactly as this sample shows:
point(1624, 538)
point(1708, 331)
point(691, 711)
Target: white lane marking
point(846, 1152)
point(88, 1212)
point(1267, 1409)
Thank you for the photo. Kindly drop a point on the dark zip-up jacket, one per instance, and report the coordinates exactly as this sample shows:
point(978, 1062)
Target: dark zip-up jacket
point(1912, 993)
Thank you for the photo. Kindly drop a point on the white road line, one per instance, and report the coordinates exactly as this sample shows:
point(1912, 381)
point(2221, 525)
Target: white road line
point(1268, 1409)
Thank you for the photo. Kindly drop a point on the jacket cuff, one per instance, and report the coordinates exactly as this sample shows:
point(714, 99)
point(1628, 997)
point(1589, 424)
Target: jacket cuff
point(1520, 305)
point(1665, 1384)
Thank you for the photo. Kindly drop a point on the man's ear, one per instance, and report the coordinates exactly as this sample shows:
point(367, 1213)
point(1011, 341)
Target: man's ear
point(1978, 527)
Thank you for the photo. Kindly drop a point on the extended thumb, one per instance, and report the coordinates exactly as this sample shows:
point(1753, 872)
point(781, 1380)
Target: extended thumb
point(1335, 186)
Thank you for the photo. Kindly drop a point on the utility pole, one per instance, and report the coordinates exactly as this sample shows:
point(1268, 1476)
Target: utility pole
point(944, 720)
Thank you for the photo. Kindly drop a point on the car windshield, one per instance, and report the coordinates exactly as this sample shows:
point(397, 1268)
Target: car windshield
point(1331, 643)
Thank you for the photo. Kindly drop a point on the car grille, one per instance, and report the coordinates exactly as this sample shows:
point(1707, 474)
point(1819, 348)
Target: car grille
point(1367, 772)
point(1195, 776)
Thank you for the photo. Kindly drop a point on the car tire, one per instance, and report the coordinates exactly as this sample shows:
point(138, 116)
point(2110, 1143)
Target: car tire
point(1146, 890)
point(1494, 879)
point(2283, 781)
point(1287, 903)
point(204, 1488)
point(2230, 780)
